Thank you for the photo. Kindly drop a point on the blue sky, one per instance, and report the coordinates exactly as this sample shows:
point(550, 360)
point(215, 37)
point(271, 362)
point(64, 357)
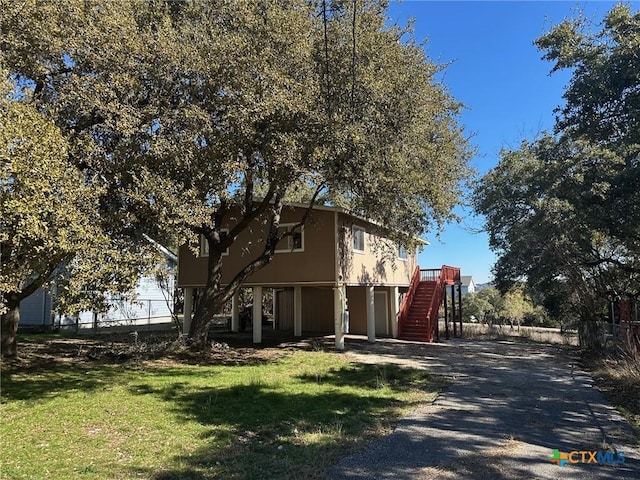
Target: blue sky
point(497, 72)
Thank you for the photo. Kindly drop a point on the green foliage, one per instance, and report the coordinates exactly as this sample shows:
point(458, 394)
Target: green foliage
point(187, 113)
point(563, 211)
point(47, 210)
point(515, 307)
point(50, 226)
point(483, 305)
point(602, 100)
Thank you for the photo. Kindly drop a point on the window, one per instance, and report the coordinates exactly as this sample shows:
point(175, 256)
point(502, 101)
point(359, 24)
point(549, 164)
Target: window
point(402, 252)
point(358, 239)
point(293, 242)
point(204, 245)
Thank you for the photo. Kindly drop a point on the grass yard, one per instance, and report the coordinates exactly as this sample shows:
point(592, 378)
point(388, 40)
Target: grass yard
point(270, 414)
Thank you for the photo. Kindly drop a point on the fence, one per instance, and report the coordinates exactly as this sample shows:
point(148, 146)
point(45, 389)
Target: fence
point(143, 314)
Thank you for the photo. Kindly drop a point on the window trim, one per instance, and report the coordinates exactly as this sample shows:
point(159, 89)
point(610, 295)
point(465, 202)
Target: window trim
point(289, 238)
point(355, 228)
point(204, 245)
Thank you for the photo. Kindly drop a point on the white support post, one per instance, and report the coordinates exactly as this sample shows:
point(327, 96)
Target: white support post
point(338, 309)
point(297, 311)
point(235, 312)
point(257, 315)
point(395, 310)
point(371, 315)
point(187, 310)
point(274, 308)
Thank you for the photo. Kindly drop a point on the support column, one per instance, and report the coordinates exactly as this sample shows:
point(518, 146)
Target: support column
point(395, 311)
point(297, 311)
point(446, 315)
point(257, 315)
point(460, 306)
point(235, 312)
point(338, 309)
point(453, 310)
point(371, 315)
point(438, 324)
point(187, 310)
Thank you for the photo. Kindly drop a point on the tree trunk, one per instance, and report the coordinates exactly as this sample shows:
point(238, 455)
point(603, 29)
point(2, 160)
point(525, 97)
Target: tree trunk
point(591, 335)
point(209, 304)
point(9, 326)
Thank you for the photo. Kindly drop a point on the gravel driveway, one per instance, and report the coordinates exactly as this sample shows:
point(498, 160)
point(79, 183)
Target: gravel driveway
point(508, 407)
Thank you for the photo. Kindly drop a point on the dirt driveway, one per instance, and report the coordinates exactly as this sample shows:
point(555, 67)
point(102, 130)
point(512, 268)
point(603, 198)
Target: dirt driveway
point(508, 407)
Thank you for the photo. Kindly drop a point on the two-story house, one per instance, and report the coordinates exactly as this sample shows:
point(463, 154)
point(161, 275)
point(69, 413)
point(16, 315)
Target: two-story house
point(337, 274)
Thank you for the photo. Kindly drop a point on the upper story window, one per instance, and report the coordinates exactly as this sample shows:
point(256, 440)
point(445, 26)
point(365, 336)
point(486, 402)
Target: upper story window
point(293, 242)
point(204, 245)
point(402, 253)
point(358, 238)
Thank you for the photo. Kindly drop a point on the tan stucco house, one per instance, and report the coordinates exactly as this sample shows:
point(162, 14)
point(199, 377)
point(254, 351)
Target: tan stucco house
point(337, 263)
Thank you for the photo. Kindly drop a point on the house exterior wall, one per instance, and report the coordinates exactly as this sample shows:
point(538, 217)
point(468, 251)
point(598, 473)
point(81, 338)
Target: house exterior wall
point(317, 309)
point(357, 305)
point(378, 264)
point(468, 285)
point(315, 264)
point(36, 310)
point(284, 309)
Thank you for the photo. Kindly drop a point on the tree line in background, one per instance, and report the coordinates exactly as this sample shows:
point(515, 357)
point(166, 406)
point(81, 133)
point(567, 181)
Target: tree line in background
point(563, 210)
point(514, 308)
point(167, 119)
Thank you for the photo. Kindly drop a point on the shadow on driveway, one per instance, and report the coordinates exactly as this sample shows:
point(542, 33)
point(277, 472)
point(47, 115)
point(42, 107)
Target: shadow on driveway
point(508, 407)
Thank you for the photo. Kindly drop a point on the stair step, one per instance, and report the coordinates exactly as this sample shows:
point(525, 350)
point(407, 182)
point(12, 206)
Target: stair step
point(415, 329)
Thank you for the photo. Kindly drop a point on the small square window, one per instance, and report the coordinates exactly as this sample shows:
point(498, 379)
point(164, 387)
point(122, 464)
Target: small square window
point(358, 238)
point(204, 245)
point(402, 253)
point(293, 242)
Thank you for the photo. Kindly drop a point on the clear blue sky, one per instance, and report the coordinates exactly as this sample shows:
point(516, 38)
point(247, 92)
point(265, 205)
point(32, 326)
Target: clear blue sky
point(497, 72)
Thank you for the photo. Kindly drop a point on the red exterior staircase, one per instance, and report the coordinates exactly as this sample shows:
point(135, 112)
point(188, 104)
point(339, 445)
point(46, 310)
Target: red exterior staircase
point(418, 317)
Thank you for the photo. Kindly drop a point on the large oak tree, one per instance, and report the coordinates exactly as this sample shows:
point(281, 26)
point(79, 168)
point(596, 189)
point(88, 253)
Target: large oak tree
point(187, 111)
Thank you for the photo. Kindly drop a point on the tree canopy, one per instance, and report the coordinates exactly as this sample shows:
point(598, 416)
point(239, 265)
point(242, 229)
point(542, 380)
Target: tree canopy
point(181, 112)
point(563, 210)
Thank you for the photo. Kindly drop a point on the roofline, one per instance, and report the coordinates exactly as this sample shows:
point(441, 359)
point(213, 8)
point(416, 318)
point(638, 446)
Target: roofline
point(329, 208)
point(162, 249)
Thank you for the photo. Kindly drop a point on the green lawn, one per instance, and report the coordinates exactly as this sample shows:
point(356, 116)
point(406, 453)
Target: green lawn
point(290, 415)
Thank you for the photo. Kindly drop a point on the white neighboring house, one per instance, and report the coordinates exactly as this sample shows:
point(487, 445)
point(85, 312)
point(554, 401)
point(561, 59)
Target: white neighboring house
point(36, 311)
point(468, 285)
point(154, 303)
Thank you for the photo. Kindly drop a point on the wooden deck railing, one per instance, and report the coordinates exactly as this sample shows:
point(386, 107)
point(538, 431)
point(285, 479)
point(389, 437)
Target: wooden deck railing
point(429, 275)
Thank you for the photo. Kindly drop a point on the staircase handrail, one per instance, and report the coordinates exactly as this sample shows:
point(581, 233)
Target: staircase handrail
point(448, 276)
point(408, 298)
point(436, 300)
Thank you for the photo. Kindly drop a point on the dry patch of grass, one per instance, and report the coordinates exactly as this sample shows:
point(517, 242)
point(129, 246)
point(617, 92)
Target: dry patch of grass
point(618, 377)
point(529, 334)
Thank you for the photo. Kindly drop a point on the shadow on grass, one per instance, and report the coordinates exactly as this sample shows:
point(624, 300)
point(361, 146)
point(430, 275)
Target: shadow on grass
point(377, 376)
point(57, 379)
point(56, 365)
point(259, 430)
